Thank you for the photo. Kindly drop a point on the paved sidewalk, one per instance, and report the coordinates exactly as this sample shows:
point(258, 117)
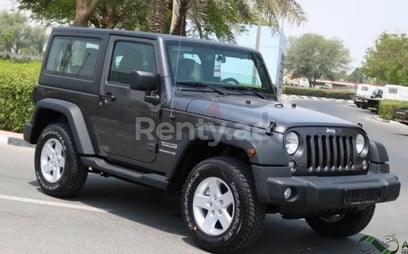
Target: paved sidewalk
point(302, 97)
point(12, 138)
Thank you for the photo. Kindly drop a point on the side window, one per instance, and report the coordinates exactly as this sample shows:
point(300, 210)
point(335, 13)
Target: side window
point(129, 56)
point(73, 57)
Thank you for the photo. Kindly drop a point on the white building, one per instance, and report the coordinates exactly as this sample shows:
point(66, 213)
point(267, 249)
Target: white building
point(272, 45)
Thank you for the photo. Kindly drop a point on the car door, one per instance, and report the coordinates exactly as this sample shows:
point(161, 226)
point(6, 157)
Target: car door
point(122, 113)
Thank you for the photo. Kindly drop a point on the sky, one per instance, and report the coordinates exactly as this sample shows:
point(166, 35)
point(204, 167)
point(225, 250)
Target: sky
point(7, 4)
point(358, 23)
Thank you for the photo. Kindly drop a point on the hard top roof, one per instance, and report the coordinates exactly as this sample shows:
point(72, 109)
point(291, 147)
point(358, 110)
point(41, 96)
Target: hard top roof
point(145, 35)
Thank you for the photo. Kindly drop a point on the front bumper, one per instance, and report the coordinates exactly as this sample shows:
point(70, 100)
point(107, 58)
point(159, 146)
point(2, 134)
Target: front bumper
point(311, 193)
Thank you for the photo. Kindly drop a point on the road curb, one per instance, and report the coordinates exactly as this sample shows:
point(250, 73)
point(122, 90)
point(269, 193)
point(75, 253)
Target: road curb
point(384, 120)
point(7, 138)
point(302, 97)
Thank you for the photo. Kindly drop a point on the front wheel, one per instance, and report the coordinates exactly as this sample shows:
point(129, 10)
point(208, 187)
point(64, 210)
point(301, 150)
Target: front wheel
point(219, 206)
point(342, 225)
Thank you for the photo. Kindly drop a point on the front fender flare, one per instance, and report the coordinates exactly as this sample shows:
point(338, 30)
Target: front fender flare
point(378, 153)
point(269, 149)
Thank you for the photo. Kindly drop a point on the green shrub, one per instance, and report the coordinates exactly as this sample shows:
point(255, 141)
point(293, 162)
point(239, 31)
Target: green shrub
point(386, 108)
point(318, 92)
point(17, 80)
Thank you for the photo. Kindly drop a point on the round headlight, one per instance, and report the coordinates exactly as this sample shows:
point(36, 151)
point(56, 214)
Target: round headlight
point(360, 143)
point(291, 142)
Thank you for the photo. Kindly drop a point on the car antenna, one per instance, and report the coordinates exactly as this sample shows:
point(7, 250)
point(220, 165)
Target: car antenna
point(172, 117)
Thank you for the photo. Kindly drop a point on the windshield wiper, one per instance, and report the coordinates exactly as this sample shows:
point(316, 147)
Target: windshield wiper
point(82, 65)
point(199, 85)
point(244, 88)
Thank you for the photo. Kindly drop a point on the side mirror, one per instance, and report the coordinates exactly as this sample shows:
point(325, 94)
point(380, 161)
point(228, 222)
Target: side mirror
point(143, 80)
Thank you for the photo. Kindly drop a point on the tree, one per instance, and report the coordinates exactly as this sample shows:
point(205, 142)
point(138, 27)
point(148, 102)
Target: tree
point(272, 11)
point(313, 56)
point(16, 35)
point(357, 75)
point(387, 61)
point(179, 16)
point(61, 11)
point(217, 17)
point(208, 18)
point(84, 10)
point(128, 14)
point(157, 20)
point(204, 18)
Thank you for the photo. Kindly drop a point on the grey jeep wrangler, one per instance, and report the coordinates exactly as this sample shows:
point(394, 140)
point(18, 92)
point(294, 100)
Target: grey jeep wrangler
point(202, 119)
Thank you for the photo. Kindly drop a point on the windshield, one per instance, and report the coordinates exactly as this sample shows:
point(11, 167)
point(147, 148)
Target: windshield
point(217, 66)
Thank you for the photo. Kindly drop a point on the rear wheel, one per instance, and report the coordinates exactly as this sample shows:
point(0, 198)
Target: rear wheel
point(219, 206)
point(342, 225)
point(57, 165)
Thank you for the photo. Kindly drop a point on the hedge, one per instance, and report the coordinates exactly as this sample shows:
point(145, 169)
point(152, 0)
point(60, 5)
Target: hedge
point(387, 107)
point(17, 80)
point(319, 92)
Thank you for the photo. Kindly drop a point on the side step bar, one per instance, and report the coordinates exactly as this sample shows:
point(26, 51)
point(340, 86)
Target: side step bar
point(154, 180)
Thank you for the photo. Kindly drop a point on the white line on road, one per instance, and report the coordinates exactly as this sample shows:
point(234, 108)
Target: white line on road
point(51, 203)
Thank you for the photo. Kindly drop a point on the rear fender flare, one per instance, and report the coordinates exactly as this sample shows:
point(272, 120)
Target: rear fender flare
point(75, 119)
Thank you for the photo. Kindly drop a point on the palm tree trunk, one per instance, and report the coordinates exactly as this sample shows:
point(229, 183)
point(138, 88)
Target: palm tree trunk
point(179, 16)
point(157, 17)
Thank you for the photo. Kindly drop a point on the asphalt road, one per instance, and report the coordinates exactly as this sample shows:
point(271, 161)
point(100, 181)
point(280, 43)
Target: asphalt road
point(111, 216)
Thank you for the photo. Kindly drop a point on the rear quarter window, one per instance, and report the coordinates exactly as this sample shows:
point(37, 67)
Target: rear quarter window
point(73, 57)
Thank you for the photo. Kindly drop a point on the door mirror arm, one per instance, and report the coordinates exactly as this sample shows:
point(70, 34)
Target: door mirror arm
point(152, 97)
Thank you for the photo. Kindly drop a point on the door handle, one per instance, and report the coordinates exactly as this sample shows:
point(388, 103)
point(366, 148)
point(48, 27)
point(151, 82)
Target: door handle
point(108, 97)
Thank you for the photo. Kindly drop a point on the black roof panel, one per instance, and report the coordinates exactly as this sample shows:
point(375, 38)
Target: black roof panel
point(146, 35)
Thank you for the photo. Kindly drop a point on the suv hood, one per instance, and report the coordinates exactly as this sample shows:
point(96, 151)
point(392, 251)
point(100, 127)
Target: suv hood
point(260, 113)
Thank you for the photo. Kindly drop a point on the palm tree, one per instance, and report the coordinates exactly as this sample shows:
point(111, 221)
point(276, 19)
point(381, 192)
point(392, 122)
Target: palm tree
point(157, 17)
point(179, 16)
point(219, 17)
point(272, 11)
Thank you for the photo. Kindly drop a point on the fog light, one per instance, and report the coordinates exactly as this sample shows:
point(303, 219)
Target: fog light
point(287, 194)
point(365, 165)
point(292, 166)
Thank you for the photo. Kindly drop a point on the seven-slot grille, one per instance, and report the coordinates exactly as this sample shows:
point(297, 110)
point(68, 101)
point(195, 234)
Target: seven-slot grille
point(326, 154)
point(329, 152)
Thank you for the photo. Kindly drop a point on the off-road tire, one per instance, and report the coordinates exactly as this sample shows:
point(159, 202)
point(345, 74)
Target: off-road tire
point(74, 174)
point(247, 221)
point(350, 224)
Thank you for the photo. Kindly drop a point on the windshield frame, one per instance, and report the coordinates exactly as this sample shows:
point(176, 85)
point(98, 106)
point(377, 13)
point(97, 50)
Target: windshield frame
point(267, 86)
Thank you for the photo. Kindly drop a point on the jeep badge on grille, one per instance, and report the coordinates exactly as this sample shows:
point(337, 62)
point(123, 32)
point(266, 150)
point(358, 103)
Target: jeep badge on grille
point(330, 131)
